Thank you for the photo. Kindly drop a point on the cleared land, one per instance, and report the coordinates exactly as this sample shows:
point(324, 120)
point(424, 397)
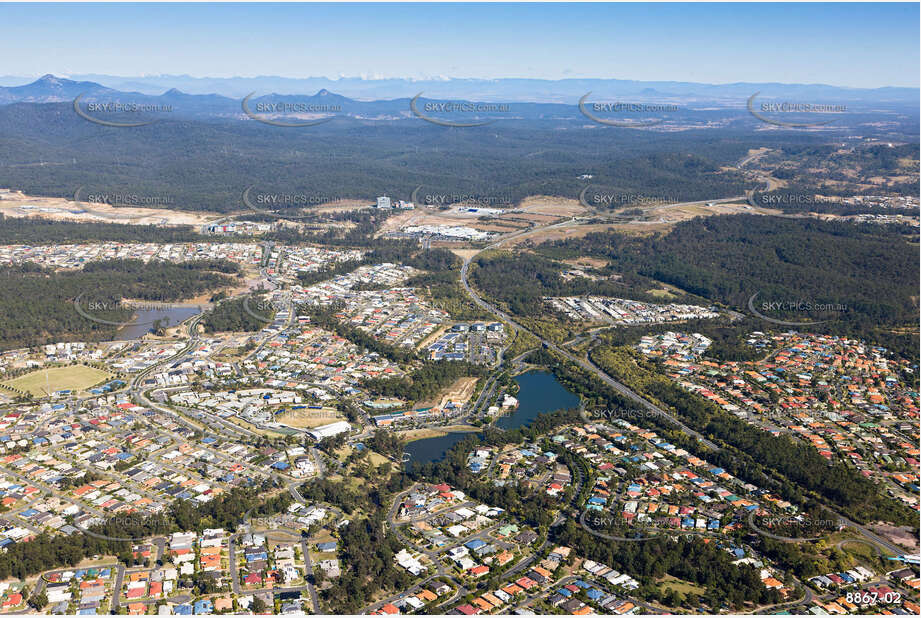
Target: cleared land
point(75, 377)
point(680, 586)
point(411, 435)
point(18, 204)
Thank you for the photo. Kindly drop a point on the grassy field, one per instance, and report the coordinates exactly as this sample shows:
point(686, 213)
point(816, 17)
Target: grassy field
point(377, 459)
point(76, 377)
point(680, 586)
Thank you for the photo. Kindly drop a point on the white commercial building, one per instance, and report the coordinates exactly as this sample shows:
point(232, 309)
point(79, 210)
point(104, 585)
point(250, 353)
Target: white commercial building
point(328, 431)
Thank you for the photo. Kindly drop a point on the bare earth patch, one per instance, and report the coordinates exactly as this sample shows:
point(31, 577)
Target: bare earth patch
point(61, 209)
point(901, 535)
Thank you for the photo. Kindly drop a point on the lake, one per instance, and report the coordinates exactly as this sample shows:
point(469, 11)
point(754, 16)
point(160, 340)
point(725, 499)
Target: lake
point(433, 449)
point(539, 393)
point(143, 319)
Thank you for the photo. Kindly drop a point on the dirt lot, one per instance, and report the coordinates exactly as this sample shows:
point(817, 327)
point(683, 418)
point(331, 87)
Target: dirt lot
point(429, 216)
point(536, 210)
point(587, 262)
point(461, 390)
point(556, 206)
point(901, 535)
point(61, 209)
point(464, 253)
point(661, 218)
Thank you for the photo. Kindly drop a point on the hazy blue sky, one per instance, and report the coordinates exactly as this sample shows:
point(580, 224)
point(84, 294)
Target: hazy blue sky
point(862, 45)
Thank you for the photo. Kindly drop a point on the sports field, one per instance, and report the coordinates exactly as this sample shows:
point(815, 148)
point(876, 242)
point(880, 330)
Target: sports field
point(76, 377)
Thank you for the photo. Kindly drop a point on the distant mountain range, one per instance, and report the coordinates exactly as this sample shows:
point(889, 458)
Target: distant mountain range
point(566, 91)
point(529, 99)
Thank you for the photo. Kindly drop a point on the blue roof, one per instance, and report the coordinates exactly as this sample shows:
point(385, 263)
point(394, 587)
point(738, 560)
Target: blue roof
point(183, 610)
point(475, 544)
point(204, 606)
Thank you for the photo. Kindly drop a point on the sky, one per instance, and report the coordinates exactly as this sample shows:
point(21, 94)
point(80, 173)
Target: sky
point(848, 44)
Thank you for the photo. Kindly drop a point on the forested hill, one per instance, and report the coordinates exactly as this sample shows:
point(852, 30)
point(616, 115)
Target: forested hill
point(48, 150)
point(37, 304)
point(869, 273)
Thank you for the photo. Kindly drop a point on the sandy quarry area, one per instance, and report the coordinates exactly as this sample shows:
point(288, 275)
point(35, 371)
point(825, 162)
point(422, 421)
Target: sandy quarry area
point(433, 216)
point(18, 204)
point(902, 535)
point(533, 211)
point(555, 206)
